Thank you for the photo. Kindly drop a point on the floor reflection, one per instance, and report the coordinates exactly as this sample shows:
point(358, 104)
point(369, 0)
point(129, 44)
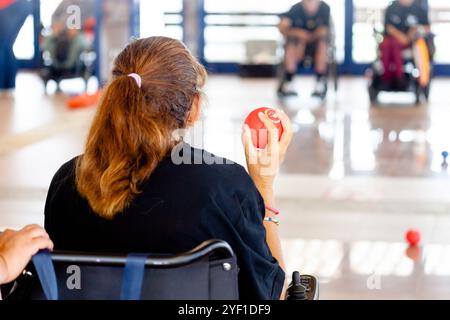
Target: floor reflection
point(384, 141)
point(372, 269)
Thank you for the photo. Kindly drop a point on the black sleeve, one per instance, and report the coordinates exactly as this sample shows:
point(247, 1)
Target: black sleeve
point(60, 182)
point(326, 15)
point(291, 14)
point(48, 208)
point(388, 17)
point(263, 275)
point(235, 214)
point(424, 19)
point(50, 203)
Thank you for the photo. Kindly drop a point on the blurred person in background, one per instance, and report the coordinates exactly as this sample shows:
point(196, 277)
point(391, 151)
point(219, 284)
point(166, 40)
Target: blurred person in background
point(13, 14)
point(403, 21)
point(306, 28)
point(69, 37)
point(64, 47)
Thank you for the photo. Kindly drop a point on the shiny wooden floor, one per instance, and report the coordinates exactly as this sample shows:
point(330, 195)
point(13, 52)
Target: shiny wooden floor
point(355, 179)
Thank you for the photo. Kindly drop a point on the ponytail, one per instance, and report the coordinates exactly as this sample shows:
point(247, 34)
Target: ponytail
point(125, 144)
point(132, 130)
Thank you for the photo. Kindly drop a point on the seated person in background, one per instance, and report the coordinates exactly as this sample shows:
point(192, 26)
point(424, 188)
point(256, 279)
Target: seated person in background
point(306, 27)
point(130, 191)
point(65, 47)
point(403, 20)
point(17, 248)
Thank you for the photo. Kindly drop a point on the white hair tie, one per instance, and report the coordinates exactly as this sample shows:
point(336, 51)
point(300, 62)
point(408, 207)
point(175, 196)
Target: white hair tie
point(137, 78)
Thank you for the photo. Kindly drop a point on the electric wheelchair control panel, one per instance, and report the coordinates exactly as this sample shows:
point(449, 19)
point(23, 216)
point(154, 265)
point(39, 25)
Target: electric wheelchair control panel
point(303, 287)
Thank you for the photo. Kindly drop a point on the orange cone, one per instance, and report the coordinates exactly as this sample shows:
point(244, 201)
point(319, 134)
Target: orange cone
point(83, 100)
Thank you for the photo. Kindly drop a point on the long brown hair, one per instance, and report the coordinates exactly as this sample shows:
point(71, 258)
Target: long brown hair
point(132, 130)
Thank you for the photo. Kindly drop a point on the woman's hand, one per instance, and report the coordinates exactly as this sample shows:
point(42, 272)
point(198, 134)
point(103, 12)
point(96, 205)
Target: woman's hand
point(263, 164)
point(17, 248)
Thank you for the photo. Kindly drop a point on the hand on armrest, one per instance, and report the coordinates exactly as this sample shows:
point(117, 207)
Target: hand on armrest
point(17, 248)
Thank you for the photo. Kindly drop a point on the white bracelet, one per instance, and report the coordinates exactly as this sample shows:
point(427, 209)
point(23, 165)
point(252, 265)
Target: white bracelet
point(270, 219)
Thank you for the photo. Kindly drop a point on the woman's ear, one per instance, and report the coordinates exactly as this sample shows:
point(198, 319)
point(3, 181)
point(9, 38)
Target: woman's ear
point(195, 113)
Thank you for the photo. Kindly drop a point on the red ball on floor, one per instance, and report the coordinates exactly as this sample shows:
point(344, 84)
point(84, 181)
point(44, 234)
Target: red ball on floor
point(413, 237)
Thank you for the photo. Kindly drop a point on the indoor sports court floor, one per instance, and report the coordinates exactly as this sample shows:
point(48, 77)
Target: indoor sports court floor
point(355, 178)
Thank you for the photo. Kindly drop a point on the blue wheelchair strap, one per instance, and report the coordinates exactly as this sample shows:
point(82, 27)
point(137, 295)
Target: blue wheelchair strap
point(46, 273)
point(133, 277)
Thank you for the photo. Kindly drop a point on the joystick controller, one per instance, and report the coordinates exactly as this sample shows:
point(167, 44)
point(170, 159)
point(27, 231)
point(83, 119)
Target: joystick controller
point(303, 287)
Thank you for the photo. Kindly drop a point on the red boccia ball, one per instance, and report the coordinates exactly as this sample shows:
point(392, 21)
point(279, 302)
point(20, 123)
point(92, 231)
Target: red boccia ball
point(413, 237)
point(259, 131)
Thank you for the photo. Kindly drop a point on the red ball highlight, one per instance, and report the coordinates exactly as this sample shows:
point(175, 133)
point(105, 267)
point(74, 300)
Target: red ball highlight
point(259, 130)
point(413, 237)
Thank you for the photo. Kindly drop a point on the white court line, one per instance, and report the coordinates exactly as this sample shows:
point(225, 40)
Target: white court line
point(408, 190)
point(64, 123)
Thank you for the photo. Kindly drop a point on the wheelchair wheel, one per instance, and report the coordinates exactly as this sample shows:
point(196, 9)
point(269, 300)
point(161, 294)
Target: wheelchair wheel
point(418, 99)
point(418, 93)
point(422, 92)
point(426, 92)
point(373, 95)
point(335, 72)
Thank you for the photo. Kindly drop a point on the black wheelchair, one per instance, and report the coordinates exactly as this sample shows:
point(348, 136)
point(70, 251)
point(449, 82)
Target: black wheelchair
point(418, 69)
point(207, 272)
point(84, 67)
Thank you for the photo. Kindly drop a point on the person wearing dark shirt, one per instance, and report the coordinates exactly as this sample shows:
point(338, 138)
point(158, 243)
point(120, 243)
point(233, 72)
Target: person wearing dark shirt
point(403, 20)
point(305, 26)
point(139, 188)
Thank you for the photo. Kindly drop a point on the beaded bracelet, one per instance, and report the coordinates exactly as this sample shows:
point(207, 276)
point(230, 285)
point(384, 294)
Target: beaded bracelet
point(273, 220)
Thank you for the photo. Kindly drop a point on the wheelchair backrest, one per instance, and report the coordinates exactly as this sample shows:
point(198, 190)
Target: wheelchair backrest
point(207, 272)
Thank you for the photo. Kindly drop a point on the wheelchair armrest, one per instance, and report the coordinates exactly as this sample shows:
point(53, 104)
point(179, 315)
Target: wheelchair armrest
point(212, 248)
